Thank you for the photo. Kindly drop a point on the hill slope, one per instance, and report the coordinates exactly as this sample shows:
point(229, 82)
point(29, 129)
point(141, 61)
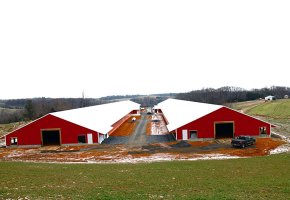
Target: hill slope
point(253, 178)
point(275, 109)
point(276, 112)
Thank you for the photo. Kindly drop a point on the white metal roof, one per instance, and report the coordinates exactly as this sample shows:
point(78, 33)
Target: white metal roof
point(99, 118)
point(179, 112)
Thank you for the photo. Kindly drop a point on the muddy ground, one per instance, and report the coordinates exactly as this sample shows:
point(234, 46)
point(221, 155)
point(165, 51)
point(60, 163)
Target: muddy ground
point(180, 150)
point(147, 129)
point(145, 140)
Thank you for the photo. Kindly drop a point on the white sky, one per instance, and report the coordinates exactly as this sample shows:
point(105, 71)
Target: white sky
point(59, 48)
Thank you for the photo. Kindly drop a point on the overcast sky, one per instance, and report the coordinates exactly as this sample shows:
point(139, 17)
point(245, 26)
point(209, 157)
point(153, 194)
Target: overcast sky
point(60, 48)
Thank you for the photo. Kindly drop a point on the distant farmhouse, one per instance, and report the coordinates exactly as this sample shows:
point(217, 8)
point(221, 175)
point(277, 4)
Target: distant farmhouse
point(270, 98)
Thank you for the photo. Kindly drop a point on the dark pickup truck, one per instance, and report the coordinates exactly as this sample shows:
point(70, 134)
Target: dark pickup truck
point(243, 141)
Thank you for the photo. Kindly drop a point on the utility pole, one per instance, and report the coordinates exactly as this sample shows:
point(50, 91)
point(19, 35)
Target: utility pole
point(83, 99)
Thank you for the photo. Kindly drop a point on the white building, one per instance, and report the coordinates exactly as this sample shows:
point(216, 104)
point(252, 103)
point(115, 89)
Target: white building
point(270, 98)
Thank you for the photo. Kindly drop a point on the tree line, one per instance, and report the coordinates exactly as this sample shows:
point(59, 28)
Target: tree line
point(15, 110)
point(30, 109)
point(230, 94)
point(149, 101)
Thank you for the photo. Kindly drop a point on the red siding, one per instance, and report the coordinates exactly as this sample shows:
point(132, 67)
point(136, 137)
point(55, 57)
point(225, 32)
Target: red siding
point(158, 111)
point(31, 134)
point(134, 112)
point(243, 124)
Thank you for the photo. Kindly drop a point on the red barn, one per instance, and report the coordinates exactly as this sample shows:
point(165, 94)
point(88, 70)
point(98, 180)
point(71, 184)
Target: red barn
point(77, 126)
point(192, 120)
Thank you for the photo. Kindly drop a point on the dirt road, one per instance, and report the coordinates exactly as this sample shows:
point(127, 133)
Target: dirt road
point(138, 138)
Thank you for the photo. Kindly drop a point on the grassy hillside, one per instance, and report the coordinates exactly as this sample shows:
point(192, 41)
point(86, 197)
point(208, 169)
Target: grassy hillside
point(252, 178)
point(276, 112)
point(10, 110)
point(245, 105)
point(8, 115)
point(278, 108)
point(7, 128)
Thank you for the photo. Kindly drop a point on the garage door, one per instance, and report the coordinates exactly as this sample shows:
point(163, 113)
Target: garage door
point(224, 130)
point(50, 137)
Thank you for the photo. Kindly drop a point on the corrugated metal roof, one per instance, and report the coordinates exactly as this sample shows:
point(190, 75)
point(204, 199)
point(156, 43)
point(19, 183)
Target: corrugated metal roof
point(179, 112)
point(99, 118)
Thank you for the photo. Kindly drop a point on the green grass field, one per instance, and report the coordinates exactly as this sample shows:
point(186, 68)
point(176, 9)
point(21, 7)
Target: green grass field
point(276, 112)
point(278, 108)
point(6, 128)
point(252, 178)
point(249, 178)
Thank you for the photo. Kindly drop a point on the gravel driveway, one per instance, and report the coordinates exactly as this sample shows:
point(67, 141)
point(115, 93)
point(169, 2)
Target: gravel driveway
point(139, 137)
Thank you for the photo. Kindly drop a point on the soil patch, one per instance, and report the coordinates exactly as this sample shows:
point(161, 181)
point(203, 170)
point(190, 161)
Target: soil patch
point(178, 150)
point(181, 144)
point(127, 128)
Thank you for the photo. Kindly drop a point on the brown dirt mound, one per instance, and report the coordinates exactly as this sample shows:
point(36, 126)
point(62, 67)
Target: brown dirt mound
point(181, 144)
point(262, 147)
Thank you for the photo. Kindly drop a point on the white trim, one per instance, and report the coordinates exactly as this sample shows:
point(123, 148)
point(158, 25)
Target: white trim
point(185, 106)
point(103, 136)
point(248, 115)
point(25, 125)
point(105, 115)
point(179, 112)
point(99, 118)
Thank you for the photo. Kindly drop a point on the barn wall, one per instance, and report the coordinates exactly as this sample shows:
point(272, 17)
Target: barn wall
point(31, 134)
point(123, 119)
point(158, 111)
point(135, 112)
point(243, 124)
point(163, 116)
point(120, 122)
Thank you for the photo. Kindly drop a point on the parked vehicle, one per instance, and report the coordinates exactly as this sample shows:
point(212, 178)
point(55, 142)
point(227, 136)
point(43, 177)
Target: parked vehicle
point(243, 141)
point(149, 111)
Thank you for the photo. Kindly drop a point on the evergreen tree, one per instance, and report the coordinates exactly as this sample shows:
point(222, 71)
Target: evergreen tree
point(29, 109)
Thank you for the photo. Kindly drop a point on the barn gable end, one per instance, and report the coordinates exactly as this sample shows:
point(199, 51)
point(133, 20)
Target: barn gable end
point(194, 120)
point(31, 134)
point(209, 125)
point(82, 125)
